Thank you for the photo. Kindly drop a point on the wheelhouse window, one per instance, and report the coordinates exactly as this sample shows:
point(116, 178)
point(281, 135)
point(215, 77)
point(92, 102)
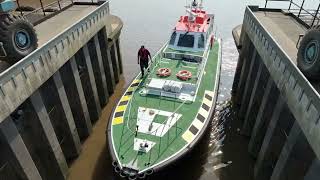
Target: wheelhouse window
point(201, 41)
point(173, 38)
point(186, 40)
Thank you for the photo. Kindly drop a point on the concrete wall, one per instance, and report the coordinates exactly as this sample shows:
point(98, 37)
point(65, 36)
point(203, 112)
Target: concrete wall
point(278, 107)
point(51, 98)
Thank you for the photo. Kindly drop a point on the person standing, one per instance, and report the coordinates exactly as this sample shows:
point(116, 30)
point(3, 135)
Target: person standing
point(143, 59)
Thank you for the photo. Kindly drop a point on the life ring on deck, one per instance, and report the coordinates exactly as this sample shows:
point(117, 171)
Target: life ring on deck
point(184, 75)
point(164, 72)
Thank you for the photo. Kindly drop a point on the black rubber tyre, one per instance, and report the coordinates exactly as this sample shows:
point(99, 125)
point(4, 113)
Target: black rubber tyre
point(18, 37)
point(308, 57)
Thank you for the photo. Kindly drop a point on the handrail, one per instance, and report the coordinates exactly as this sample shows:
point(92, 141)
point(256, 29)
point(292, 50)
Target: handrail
point(57, 2)
point(300, 6)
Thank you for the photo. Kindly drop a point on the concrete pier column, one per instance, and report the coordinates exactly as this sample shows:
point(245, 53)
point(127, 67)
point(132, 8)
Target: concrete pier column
point(74, 91)
point(249, 83)
point(117, 43)
point(285, 153)
point(241, 62)
point(314, 170)
point(101, 68)
point(106, 59)
point(88, 81)
point(74, 144)
point(115, 64)
point(91, 78)
point(50, 158)
point(255, 100)
point(99, 76)
point(295, 157)
point(61, 119)
point(272, 143)
point(18, 152)
point(268, 106)
point(242, 68)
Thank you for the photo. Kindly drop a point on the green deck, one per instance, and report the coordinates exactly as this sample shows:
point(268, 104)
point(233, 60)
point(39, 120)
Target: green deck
point(172, 141)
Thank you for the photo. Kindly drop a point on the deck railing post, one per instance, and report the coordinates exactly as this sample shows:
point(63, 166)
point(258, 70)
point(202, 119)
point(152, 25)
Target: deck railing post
point(41, 3)
point(290, 5)
point(18, 4)
point(265, 5)
point(159, 147)
point(150, 155)
point(168, 135)
point(301, 7)
point(316, 16)
point(59, 4)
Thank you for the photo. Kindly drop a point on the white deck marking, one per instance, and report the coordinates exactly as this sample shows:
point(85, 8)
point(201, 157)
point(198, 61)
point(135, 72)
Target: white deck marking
point(138, 142)
point(147, 126)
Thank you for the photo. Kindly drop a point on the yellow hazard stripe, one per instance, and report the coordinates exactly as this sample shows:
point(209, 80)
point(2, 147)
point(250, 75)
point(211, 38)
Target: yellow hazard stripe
point(118, 120)
point(125, 98)
point(188, 136)
point(204, 111)
point(121, 108)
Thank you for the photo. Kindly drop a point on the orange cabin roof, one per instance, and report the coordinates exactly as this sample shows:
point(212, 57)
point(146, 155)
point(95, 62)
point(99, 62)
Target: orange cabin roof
point(200, 24)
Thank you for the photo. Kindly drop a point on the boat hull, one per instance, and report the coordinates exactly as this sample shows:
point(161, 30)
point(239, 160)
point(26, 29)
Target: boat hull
point(127, 172)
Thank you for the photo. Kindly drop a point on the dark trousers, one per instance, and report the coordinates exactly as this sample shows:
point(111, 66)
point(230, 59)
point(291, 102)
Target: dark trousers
point(143, 65)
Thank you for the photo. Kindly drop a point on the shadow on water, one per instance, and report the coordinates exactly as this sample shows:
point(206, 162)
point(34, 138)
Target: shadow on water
point(235, 161)
point(190, 167)
point(103, 168)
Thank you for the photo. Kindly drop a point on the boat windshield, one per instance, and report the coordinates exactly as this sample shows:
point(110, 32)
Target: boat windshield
point(186, 40)
point(173, 38)
point(201, 41)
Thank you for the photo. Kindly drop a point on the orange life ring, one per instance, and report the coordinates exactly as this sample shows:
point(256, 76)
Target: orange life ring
point(184, 75)
point(164, 72)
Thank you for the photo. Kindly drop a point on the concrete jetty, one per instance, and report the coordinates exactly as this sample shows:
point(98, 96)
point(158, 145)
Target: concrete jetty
point(278, 106)
point(50, 99)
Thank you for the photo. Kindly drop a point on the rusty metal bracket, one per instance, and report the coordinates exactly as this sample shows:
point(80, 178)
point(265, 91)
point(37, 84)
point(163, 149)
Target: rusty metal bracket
point(3, 52)
point(298, 42)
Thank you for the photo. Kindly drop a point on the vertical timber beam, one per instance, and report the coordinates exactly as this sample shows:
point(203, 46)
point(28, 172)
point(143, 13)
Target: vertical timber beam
point(75, 144)
point(115, 65)
point(106, 58)
point(241, 70)
point(119, 55)
point(115, 52)
point(284, 156)
point(59, 165)
point(103, 75)
point(87, 122)
point(253, 144)
point(314, 170)
point(246, 125)
point(258, 170)
point(22, 158)
point(248, 83)
point(91, 78)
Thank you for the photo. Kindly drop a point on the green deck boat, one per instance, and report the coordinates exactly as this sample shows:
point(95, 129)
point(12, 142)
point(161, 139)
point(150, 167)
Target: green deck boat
point(161, 117)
